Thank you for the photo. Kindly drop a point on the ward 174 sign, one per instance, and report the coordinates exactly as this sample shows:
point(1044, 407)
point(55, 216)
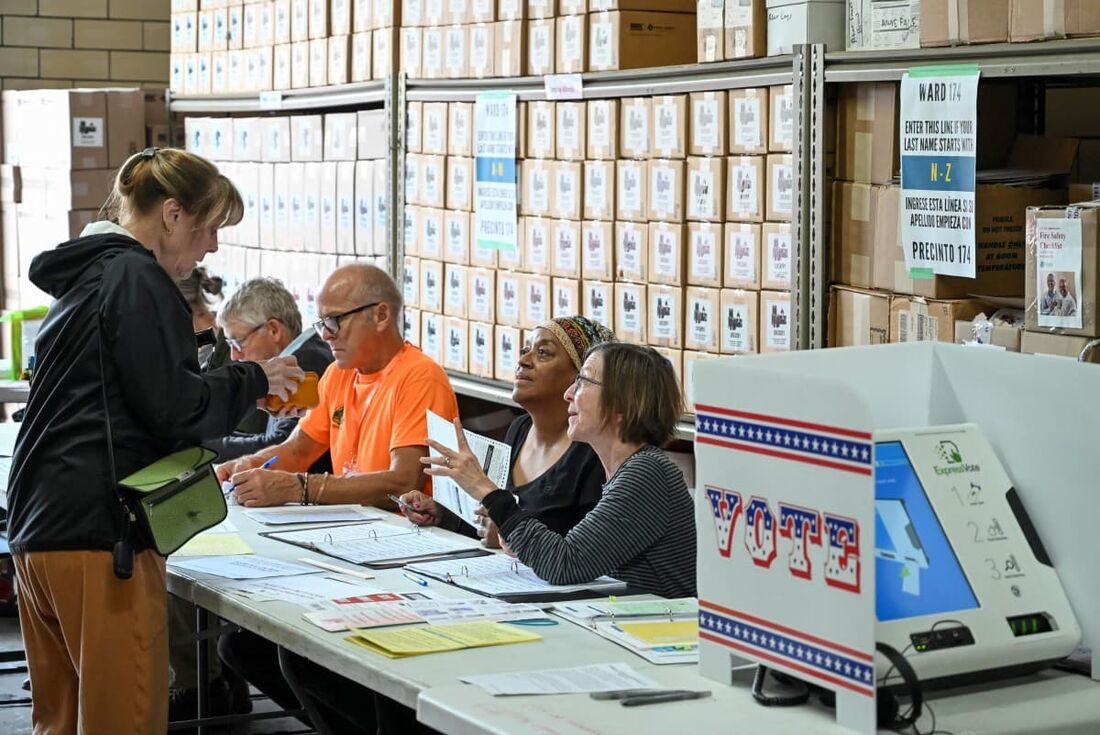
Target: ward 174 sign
point(939, 134)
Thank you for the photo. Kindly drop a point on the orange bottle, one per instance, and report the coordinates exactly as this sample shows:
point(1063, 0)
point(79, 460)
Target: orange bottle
point(306, 396)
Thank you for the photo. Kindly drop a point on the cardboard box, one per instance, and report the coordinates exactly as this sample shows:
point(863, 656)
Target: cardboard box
point(45, 190)
point(781, 119)
point(666, 316)
point(541, 129)
point(690, 358)
point(482, 298)
point(318, 18)
point(565, 250)
point(411, 325)
point(411, 230)
point(794, 22)
point(311, 203)
point(571, 54)
point(745, 189)
point(455, 55)
point(484, 257)
point(413, 163)
point(666, 190)
point(434, 126)
point(539, 186)
point(327, 207)
point(566, 297)
point(433, 181)
point(632, 190)
point(411, 52)
point(598, 251)
point(708, 122)
point(371, 145)
point(536, 301)
point(742, 256)
point(701, 315)
point(1082, 19)
point(457, 12)
point(69, 128)
point(598, 302)
point(456, 287)
point(738, 321)
point(432, 52)
point(748, 116)
point(776, 250)
point(669, 126)
point(631, 252)
point(460, 175)
point(940, 24)
point(1057, 345)
point(667, 254)
point(675, 359)
point(1051, 265)
point(431, 233)
point(281, 233)
point(506, 259)
point(780, 198)
point(506, 348)
point(431, 285)
point(599, 190)
point(282, 74)
point(481, 349)
point(431, 335)
point(125, 124)
point(481, 44)
point(570, 131)
point(541, 47)
point(916, 319)
point(745, 31)
point(858, 317)
point(634, 128)
point(630, 312)
point(1036, 20)
point(883, 25)
point(364, 208)
point(776, 332)
point(704, 254)
point(456, 237)
point(483, 11)
point(510, 42)
point(307, 138)
point(538, 243)
point(339, 59)
point(603, 129)
point(568, 202)
point(541, 8)
point(296, 206)
point(625, 39)
point(414, 129)
point(341, 136)
point(706, 189)
point(383, 52)
point(460, 122)
point(299, 65)
point(318, 62)
point(867, 135)
point(710, 41)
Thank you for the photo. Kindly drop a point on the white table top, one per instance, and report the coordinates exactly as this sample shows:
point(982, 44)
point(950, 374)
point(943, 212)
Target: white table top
point(14, 391)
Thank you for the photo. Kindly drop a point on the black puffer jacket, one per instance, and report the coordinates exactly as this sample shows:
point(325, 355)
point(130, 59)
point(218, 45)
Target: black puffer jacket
point(60, 494)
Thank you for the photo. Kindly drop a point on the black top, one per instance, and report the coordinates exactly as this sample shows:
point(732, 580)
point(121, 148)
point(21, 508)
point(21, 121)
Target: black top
point(60, 493)
point(313, 356)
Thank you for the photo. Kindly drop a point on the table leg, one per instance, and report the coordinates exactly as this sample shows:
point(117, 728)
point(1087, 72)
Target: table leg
point(306, 701)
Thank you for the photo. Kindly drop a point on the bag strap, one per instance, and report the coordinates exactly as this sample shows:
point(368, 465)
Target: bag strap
point(127, 514)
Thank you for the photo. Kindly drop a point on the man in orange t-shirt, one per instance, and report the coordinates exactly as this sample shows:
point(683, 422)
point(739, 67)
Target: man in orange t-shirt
point(372, 414)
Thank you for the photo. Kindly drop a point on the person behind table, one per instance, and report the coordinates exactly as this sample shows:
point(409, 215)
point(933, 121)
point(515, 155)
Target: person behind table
point(554, 478)
point(118, 333)
point(624, 403)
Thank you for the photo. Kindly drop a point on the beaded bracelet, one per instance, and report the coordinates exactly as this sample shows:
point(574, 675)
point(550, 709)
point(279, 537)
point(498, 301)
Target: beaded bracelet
point(302, 480)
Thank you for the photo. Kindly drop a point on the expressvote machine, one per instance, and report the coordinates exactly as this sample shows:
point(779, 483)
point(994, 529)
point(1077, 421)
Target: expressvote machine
point(964, 588)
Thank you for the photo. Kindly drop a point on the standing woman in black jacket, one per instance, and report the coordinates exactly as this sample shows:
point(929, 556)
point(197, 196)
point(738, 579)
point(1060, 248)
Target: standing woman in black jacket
point(96, 644)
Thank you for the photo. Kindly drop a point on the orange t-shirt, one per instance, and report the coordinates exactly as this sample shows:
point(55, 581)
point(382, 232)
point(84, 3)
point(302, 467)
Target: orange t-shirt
point(361, 418)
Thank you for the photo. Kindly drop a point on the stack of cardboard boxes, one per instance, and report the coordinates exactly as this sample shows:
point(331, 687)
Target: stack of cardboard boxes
point(665, 218)
point(61, 150)
point(314, 189)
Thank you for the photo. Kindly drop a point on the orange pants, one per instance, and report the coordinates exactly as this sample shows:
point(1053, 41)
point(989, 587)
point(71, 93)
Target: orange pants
point(97, 646)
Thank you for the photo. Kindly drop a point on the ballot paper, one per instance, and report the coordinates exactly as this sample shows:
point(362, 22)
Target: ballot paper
point(287, 514)
point(419, 640)
point(301, 589)
point(495, 458)
point(240, 567)
point(574, 680)
point(381, 613)
point(374, 543)
point(502, 576)
point(214, 544)
point(335, 615)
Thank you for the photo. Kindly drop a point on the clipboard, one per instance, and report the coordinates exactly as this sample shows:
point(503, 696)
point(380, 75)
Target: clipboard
point(526, 587)
point(358, 545)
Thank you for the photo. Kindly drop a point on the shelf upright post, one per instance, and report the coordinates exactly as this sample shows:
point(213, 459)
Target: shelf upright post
point(395, 169)
point(808, 232)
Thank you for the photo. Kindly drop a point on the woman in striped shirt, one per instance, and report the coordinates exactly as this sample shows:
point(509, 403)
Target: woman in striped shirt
point(624, 403)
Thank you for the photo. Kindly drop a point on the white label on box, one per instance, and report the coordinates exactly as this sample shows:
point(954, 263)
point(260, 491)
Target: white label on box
point(479, 50)
point(595, 250)
point(564, 303)
point(543, 129)
point(704, 254)
point(1058, 258)
point(566, 192)
point(539, 247)
point(637, 128)
point(703, 202)
point(601, 52)
point(565, 254)
point(456, 346)
point(600, 133)
point(664, 317)
point(480, 337)
point(779, 257)
point(506, 351)
point(538, 301)
point(630, 255)
point(746, 196)
point(783, 119)
point(431, 246)
point(456, 238)
point(433, 12)
point(541, 45)
point(704, 123)
point(667, 260)
point(779, 323)
point(456, 291)
point(410, 226)
point(434, 140)
point(412, 183)
point(748, 129)
point(456, 48)
point(630, 187)
point(743, 260)
point(433, 50)
point(432, 189)
point(430, 346)
point(538, 192)
point(572, 50)
point(596, 301)
point(362, 212)
point(460, 184)
point(431, 295)
point(663, 190)
point(481, 304)
point(735, 328)
point(782, 193)
point(629, 312)
point(595, 190)
point(459, 119)
point(87, 132)
point(702, 321)
point(569, 128)
point(409, 283)
point(665, 129)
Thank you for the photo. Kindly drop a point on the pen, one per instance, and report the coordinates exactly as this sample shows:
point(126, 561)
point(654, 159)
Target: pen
point(231, 487)
point(412, 577)
point(664, 697)
point(336, 568)
point(400, 503)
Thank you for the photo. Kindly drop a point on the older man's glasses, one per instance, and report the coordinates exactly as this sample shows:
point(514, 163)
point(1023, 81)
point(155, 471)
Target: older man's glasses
point(332, 323)
point(238, 343)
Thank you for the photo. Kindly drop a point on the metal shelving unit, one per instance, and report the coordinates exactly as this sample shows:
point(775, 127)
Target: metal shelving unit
point(345, 95)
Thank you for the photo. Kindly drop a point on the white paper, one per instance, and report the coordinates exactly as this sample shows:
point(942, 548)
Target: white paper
point(287, 514)
point(495, 458)
point(1058, 258)
point(336, 615)
point(499, 574)
point(576, 680)
point(376, 542)
point(300, 590)
point(241, 567)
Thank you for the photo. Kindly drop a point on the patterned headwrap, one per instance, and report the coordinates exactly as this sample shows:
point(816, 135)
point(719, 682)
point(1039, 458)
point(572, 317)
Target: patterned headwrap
point(577, 335)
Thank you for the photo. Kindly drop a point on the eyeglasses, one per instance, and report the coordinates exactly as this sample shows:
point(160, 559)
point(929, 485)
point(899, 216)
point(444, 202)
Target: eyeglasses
point(581, 379)
point(332, 323)
point(237, 343)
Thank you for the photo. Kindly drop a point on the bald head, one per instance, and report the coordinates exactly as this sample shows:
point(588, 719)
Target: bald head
point(358, 284)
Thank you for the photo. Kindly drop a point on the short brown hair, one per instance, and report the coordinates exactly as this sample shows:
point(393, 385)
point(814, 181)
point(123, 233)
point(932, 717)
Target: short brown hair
point(640, 385)
point(155, 174)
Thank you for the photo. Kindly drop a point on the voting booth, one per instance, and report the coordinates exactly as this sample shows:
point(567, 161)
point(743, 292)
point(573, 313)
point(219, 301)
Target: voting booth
point(935, 498)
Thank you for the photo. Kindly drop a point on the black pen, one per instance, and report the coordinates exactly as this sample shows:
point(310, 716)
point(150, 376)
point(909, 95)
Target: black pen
point(663, 697)
point(488, 459)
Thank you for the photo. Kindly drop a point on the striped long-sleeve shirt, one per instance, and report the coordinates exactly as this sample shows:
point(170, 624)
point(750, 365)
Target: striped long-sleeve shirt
point(642, 531)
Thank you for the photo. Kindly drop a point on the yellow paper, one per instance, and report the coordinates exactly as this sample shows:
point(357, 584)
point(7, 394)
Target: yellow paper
point(419, 640)
point(215, 544)
point(664, 633)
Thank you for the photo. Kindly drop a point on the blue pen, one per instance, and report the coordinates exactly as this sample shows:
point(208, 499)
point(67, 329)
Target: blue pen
point(412, 577)
point(230, 487)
